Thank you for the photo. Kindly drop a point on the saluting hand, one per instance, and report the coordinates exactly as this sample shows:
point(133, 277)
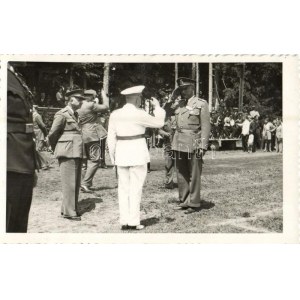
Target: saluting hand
point(154, 102)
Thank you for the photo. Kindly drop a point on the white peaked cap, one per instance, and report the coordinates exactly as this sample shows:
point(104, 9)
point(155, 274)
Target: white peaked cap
point(133, 90)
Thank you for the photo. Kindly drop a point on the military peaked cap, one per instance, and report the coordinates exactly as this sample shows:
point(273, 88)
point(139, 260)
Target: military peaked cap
point(75, 93)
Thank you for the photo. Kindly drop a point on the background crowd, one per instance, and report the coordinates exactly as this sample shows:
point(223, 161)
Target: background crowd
point(254, 130)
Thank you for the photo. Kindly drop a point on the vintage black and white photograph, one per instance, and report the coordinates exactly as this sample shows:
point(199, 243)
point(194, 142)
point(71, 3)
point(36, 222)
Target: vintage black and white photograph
point(145, 147)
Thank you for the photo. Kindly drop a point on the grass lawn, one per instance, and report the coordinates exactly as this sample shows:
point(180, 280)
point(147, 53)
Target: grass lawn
point(242, 194)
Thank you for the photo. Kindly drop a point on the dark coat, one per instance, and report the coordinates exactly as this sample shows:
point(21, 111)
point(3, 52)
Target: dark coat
point(21, 155)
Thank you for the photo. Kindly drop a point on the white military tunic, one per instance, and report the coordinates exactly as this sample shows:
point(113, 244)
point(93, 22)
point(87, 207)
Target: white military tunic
point(131, 156)
point(131, 121)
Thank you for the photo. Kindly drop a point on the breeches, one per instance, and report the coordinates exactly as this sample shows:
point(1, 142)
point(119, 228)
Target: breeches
point(169, 164)
point(93, 151)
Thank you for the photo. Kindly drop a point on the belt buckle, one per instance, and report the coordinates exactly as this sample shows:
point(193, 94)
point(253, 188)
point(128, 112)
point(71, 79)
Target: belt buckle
point(28, 128)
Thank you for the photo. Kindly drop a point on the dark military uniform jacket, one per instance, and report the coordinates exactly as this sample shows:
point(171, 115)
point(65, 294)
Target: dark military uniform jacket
point(21, 155)
point(192, 123)
point(65, 135)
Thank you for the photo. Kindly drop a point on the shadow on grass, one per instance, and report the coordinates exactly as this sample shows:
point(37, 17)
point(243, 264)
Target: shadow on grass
point(150, 221)
point(154, 220)
point(206, 205)
point(101, 188)
point(88, 204)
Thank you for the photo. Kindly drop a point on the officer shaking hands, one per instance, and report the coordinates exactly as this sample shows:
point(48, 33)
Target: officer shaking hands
point(190, 142)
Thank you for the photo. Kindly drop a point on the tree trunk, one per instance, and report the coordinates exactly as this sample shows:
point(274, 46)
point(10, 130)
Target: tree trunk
point(106, 84)
point(71, 82)
point(176, 74)
point(194, 71)
point(241, 91)
point(197, 80)
point(210, 86)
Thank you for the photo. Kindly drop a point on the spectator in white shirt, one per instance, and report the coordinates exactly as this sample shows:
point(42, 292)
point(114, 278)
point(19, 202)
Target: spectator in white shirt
point(245, 133)
point(268, 129)
point(279, 136)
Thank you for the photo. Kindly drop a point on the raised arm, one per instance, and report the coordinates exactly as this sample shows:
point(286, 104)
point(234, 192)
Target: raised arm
point(100, 107)
point(156, 121)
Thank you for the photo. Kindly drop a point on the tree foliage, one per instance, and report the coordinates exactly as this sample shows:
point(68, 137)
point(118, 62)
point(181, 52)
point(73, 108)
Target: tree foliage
point(262, 85)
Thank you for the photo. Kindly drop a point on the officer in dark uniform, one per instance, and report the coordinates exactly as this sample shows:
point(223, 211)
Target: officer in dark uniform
point(190, 142)
point(66, 138)
point(167, 133)
point(21, 158)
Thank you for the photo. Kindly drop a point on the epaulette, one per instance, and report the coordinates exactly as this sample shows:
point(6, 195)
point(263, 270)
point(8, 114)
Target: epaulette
point(61, 112)
point(200, 99)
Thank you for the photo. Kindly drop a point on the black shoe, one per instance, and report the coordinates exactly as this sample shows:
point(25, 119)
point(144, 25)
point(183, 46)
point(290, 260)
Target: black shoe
point(191, 210)
point(137, 227)
point(169, 186)
point(74, 218)
point(124, 227)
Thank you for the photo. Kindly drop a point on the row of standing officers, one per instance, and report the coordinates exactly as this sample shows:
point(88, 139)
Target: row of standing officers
point(76, 135)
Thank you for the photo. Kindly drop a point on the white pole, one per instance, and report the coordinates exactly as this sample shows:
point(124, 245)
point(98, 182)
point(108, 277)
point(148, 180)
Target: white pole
point(106, 83)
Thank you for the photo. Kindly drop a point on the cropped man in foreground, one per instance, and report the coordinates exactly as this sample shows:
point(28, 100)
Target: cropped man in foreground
point(21, 158)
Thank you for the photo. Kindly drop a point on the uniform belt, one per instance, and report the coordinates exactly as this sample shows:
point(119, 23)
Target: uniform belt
point(187, 130)
point(19, 127)
point(131, 137)
point(72, 131)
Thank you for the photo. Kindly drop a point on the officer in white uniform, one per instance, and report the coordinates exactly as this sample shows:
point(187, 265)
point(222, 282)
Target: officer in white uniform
point(128, 151)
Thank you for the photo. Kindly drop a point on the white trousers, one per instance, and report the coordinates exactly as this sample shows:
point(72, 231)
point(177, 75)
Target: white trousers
point(130, 186)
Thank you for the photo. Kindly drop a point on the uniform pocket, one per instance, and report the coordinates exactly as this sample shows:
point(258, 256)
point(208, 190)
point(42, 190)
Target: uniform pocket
point(64, 148)
point(193, 120)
